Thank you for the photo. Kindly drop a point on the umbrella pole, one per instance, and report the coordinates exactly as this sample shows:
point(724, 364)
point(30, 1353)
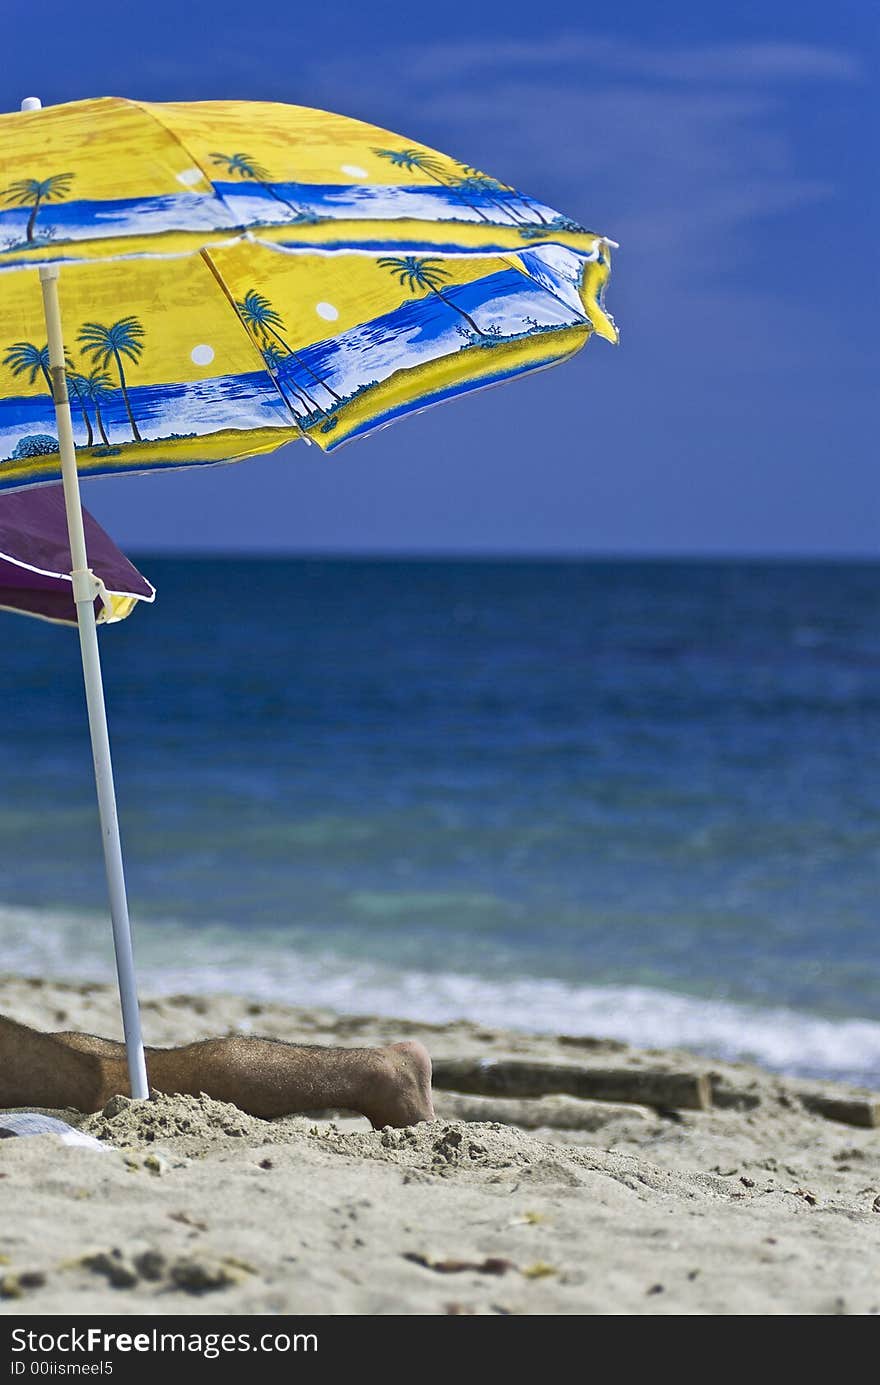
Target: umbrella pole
point(84, 593)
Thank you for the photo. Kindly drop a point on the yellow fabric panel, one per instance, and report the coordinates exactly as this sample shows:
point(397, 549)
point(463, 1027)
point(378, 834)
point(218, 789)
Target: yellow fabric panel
point(116, 177)
point(121, 607)
point(237, 275)
point(112, 148)
point(185, 385)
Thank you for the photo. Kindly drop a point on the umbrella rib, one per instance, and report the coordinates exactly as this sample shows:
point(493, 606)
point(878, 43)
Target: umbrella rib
point(230, 298)
point(196, 163)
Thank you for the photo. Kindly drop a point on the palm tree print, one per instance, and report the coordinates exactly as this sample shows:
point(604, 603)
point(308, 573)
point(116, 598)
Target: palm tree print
point(412, 159)
point(480, 185)
point(264, 322)
point(425, 273)
point(105, 344)
point(243, 166)
point(276, 363)
point(23, 358)
point(483, 183)
point(421, 160)
point(76, 383)
point(471, 180)
point(34, 192)
point(98, 388)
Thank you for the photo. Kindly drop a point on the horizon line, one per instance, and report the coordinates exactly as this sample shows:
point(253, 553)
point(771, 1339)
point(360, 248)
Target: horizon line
point(452, 555)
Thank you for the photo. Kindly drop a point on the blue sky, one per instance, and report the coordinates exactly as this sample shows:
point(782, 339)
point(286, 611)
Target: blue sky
point(732, 153)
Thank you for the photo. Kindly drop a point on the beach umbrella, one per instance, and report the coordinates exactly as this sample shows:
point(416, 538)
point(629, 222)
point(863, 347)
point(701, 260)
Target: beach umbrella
point(35, 561)
point(239, 275)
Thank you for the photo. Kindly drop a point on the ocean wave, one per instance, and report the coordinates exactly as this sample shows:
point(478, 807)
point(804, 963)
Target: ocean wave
point(175, 958)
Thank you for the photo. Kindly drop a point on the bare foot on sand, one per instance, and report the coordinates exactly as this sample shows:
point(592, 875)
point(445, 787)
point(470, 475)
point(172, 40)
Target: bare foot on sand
point(265, 1077)
point(402, 1091)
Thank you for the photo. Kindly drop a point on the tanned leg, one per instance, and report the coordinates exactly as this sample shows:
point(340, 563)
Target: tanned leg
point(42, 1070)
point(390, 1086)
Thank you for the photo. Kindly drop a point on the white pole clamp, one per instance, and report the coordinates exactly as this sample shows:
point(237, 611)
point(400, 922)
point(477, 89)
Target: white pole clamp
point(86, 585)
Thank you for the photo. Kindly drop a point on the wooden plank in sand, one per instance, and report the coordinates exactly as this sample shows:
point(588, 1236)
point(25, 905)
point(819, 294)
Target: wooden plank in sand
point(557, 1112)
point(863, 1111)
point(514, 1077)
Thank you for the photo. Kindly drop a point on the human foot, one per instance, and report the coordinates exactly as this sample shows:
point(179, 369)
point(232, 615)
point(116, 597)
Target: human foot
point(402, 1091)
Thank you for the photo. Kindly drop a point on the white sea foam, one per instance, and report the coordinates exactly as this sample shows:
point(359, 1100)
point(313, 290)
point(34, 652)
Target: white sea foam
point(179, 958)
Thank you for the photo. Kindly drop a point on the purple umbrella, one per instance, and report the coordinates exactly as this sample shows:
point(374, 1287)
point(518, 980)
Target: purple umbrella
point(35, 561)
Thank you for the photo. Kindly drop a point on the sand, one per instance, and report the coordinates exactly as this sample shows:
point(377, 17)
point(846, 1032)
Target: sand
point(550, 1205)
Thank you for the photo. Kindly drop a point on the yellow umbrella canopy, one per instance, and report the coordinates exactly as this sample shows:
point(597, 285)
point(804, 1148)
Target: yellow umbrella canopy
point(187, 284)
point(237, 275)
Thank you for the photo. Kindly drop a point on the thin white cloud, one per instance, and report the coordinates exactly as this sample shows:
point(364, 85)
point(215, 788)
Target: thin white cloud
point(736, 63)
point(751, 63)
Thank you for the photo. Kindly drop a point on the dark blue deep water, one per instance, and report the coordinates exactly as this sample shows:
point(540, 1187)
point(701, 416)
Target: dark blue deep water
point(639, 798)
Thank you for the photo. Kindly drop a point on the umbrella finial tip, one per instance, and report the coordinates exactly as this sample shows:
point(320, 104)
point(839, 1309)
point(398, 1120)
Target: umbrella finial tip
point(31, 103)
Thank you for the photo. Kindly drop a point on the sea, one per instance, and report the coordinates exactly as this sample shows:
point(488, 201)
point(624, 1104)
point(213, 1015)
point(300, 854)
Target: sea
point(631, 798)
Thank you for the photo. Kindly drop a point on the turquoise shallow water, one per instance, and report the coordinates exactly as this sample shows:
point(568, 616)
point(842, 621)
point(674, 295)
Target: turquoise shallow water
point(642, 797)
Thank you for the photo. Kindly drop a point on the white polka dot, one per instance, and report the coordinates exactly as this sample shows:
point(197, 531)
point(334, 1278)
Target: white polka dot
point(202, 355)
point(327, 311)
point(354, 171)
point(190, 176)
